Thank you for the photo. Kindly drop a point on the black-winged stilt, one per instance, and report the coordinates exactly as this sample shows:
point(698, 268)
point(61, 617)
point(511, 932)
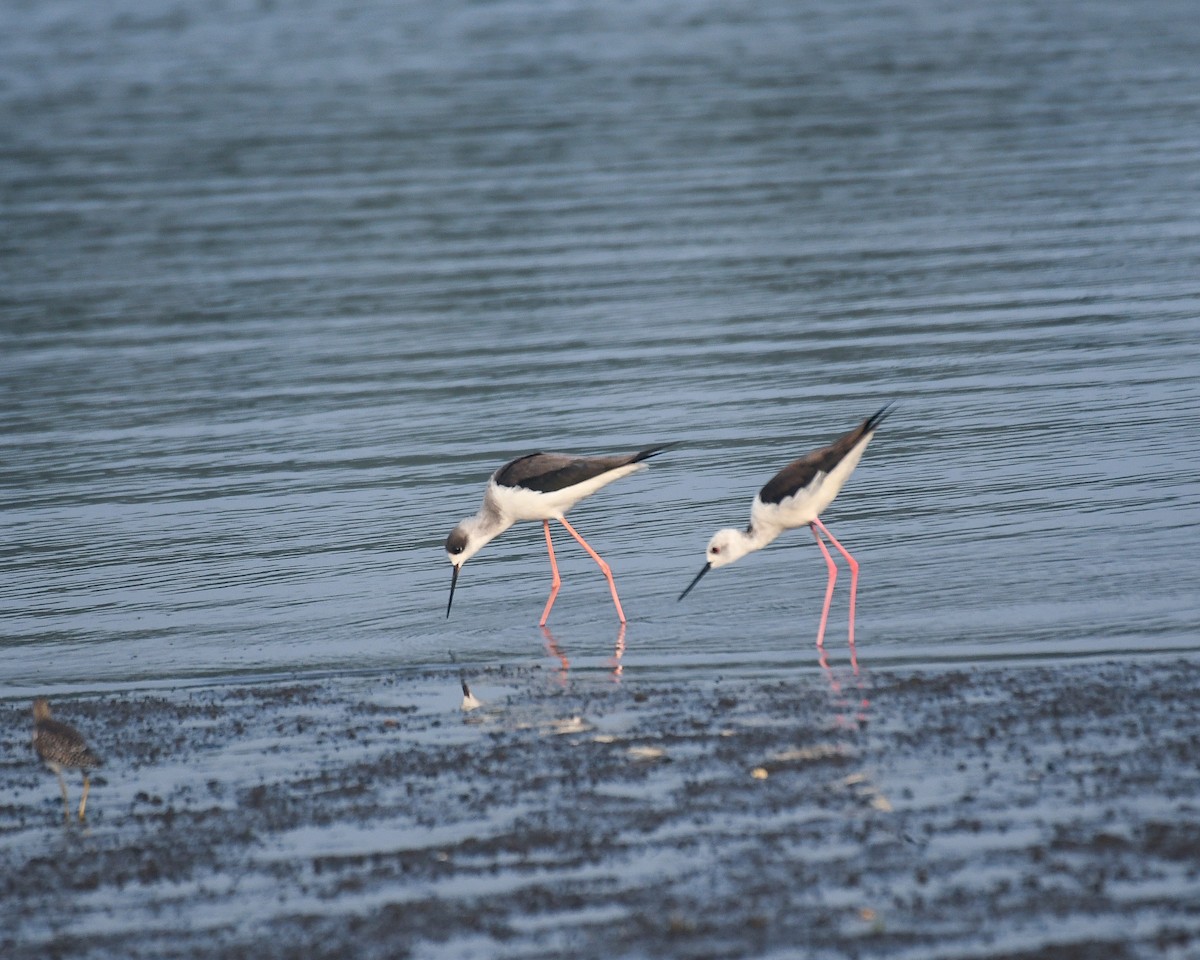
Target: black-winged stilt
point(541, 486)
point(795, 497)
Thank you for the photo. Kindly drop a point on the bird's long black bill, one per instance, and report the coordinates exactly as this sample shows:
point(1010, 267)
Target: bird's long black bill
point(703, 570)
point(453, 581)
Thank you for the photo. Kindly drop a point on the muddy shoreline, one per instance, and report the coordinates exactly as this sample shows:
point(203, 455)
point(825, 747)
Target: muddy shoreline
point(1003, 811)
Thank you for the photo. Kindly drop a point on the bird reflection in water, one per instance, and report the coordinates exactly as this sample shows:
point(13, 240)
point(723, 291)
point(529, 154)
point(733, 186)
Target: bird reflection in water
point(851, 709)
point(555, 649)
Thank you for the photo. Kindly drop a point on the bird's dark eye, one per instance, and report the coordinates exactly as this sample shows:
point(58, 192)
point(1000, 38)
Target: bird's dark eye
point(456, 549)
point(716, 549)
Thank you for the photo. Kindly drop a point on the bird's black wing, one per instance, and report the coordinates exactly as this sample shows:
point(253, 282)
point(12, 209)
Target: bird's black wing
point(800, 473)
point(547, 472)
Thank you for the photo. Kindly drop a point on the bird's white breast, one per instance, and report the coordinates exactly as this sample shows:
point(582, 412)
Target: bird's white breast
point(809, 502)
point(521, 504)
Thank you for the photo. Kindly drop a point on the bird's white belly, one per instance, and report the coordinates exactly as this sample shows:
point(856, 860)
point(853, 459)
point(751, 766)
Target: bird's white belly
point(798, 510)
point(518, 503)
point(808, 503)
point(802, 507)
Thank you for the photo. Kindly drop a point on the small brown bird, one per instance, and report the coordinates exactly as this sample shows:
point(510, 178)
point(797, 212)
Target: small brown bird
point(61, 747)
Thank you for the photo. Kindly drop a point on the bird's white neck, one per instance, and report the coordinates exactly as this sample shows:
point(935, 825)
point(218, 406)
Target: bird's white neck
point(482, 529)
point(759, 535)
point(729, 545)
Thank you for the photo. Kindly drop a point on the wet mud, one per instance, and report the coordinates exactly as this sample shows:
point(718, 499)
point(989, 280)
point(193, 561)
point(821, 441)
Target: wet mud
point(1002, 812)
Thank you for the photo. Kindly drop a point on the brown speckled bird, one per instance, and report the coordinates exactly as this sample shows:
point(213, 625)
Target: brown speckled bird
point(61, 747)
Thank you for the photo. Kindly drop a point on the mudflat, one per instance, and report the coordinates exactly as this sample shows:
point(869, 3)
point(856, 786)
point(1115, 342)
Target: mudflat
point(1001, 811)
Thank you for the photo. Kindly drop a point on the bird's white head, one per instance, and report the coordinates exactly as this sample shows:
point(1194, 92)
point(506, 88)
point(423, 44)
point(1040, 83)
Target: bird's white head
point(466, 540)
point(726, 546)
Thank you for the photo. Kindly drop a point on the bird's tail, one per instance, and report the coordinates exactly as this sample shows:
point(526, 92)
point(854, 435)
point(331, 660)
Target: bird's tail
point(652, 451)
point(878, 417)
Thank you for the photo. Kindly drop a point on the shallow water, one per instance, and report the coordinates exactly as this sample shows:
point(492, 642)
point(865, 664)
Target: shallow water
point(283, 284)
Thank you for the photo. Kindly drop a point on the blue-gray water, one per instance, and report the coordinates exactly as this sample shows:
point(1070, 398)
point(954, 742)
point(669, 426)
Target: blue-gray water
point(281, 284)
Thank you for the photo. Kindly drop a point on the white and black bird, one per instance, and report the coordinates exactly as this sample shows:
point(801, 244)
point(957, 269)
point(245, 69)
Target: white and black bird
point(62, 747)
point(795, 497)
point(469, 701)
point(541, 486)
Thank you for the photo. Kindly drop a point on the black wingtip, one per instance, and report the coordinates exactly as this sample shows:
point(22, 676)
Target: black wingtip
point(879, 416)
point(653, 451)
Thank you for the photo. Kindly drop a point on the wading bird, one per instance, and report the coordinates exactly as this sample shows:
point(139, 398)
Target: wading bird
point(62, 747)
point(541, 486)
point(795, 497)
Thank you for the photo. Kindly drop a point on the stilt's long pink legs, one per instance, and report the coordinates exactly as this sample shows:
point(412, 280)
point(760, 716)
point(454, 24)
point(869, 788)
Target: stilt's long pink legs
point(595, 556)
point(833, 579)
point(557, 581)
point(853, 576)
point(828, 587)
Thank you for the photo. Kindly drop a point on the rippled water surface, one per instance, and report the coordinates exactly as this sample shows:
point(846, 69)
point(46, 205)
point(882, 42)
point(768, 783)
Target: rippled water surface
point(281, 284)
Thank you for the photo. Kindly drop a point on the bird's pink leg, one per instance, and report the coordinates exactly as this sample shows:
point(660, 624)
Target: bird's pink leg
point(853, 584)
point(554, 569)
point(828, 588)
point(603, 566)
